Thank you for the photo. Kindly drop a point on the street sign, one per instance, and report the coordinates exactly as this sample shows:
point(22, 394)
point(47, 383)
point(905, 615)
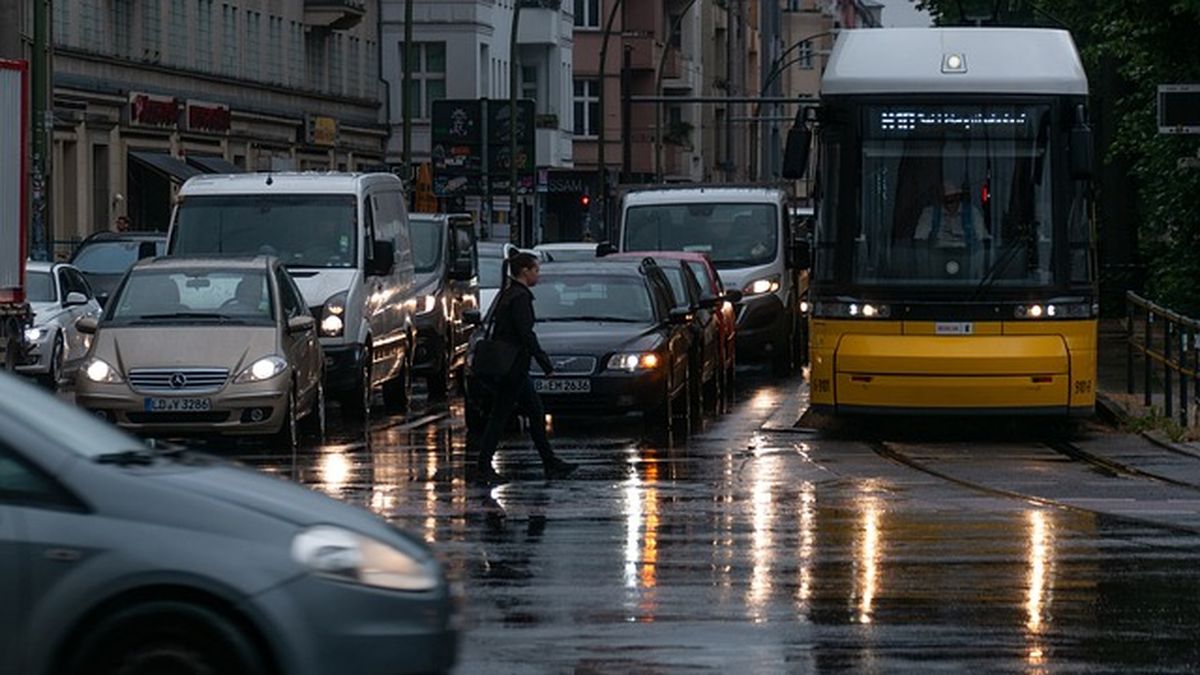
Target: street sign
point(459, 149)
point(1179, 108)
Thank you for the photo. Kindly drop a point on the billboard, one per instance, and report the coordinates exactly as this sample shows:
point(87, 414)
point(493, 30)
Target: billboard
point(472, 137)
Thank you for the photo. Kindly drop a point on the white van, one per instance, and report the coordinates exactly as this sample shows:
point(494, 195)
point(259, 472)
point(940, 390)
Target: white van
point(345, 239)
point(757, 245)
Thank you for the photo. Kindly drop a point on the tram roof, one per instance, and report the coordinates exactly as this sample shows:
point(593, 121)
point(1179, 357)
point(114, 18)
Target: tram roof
point(913, 60)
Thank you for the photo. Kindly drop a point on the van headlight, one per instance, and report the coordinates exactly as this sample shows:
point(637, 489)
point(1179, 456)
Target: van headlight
point(333, 316)
point(761, 286)
point(99, 371)
point(262, 369)
point(348, 556)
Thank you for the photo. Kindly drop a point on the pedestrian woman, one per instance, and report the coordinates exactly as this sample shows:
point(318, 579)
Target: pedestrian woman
point(513, 322)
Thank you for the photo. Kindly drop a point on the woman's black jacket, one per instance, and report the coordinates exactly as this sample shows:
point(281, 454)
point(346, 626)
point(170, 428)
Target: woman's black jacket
point(514, 322)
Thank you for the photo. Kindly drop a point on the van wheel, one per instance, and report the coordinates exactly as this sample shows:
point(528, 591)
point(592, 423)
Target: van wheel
point(356, 406)
point(397, 392)
point(165, 637)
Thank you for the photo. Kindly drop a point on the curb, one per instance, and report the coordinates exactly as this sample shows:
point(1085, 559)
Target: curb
point(1111, 413)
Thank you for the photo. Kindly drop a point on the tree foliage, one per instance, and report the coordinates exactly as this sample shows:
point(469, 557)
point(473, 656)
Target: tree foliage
point(1147, 43)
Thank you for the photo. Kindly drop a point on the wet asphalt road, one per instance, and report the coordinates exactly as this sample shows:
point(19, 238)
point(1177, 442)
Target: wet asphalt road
point(761, 547)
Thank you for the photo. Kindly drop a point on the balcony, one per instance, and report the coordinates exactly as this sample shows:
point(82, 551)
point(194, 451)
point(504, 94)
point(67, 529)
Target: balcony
point(643, 52)
point(334, 14)
point(541, 23)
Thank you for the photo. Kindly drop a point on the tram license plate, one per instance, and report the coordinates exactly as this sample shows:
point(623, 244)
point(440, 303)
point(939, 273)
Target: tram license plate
point(564, 386)
point(178, 404)
point(959, 328)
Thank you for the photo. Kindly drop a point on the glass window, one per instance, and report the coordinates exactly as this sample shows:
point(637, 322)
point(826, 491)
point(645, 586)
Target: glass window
point(427, 245)
point(678, 290)
point(23, 483)
point(289, 298)
point(435, 57)
point(587, 13)
point(954, 195)
point(702, 278)
point(588, 298)
point(155, 296)
point(39, 287)
point(80, 284)
point(301, 230)
point(733, 235)
point(587, 107)
point(490, 271)
point(111, 257)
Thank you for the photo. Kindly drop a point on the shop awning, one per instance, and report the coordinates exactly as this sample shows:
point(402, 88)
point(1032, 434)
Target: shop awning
point(175, 169)
point(213, 164)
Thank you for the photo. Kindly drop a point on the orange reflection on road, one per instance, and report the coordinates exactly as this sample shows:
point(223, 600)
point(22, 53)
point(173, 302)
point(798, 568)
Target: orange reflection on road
point(641, 539)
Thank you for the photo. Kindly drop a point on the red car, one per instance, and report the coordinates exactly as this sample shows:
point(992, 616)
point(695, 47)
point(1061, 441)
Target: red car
point(721, 301)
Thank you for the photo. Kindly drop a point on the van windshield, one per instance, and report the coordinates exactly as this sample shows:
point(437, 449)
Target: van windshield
point(733, 235)
point(301, 230)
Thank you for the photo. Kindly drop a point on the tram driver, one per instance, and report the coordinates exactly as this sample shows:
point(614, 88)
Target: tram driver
point(951, 224)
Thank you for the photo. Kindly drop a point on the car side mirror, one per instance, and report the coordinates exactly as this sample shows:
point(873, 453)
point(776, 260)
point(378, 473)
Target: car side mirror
point(87, 325)
point(472, 317)
point(383, 258)
point(461, 270)
point(604, 248)
point(74, 299)
point(680, 315)
point(301, 324)
point(733, 295)
point(147, 249)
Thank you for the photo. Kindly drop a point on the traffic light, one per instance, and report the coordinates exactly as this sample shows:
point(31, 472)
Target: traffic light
point(585, 201)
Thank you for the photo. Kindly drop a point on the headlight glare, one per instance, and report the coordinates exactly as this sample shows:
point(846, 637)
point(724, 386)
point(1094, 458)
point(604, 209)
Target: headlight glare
point(262, 369)
point(35, 334)
point(634, 361)
point(332, 326)
point(333, 316)
point(760, 286)
point(349, 556)
point(98, 370)
point(850, 310)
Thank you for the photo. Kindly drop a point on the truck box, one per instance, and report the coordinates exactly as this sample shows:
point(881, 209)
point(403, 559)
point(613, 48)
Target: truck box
point(14, 125)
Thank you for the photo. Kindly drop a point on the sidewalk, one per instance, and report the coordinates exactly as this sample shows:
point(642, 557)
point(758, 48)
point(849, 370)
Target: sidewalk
point(1114, 404)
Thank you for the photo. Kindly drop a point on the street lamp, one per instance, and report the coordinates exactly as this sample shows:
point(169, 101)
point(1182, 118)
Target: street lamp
point(778, 67)
point(603, 168)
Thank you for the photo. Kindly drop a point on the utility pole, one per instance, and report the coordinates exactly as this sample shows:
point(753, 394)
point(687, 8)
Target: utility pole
point(514, 84)
point(602, 171)
point(627, 114)
point(43, 122)
point(659, 117)
point(729, 52)
point(406, 96)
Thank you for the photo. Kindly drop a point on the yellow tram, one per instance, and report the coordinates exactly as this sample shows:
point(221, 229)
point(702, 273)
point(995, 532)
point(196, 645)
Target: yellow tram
point(953, 266)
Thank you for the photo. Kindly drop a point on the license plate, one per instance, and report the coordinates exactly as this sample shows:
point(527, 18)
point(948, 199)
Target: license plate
point(178, 404)
point(954, 328)
point(573, 386)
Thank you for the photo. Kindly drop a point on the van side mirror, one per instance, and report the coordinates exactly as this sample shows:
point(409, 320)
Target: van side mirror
point(383, 259)
point(796, 150)
point(147, 249)
point(680, 315)
point(733, 296)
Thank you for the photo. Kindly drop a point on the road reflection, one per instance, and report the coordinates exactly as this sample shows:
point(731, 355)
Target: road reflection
point(869, 552)
point(807, 549)
point(762, 553)
point(1041, 561)
point(641, 510)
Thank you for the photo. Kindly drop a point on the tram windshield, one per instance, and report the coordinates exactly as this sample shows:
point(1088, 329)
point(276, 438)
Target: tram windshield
point(955, 196)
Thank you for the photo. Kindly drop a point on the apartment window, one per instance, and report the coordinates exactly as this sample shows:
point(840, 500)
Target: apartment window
point(229, 41)
point(805, 58)
point(62, 25)
point(336, 79)
point(354, 67)
point(428, 77)
point(314, 53)
point(122, 21)
point(274, 49)
point(587, 13)
point(529, 82)
point(587, 107)
point(372, 82)
point(204, 41)
point(295, 55)
point(152, 31)
point(253, 42)
point(179, 34)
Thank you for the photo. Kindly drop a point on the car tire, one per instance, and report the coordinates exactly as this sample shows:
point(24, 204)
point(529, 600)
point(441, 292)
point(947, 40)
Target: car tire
point(658, 422)
point(288, 436)
point(682, 425)
point(54, 374)
point(165, 636)
point(695, 398)
point(729, 385)
point(397, 392)
point(356, 406)
point(313, 424)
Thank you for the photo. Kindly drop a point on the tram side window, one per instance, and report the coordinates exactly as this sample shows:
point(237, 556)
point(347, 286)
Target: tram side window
point(955, 195)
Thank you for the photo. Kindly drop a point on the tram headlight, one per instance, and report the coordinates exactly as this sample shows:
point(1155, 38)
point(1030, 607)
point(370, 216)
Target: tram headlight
point(851, 310)
point(1058, 310)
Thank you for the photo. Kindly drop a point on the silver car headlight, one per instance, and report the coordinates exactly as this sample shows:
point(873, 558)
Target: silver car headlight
point(99, 370)
point(36, 334)
point(262, 369)
point(349, 556)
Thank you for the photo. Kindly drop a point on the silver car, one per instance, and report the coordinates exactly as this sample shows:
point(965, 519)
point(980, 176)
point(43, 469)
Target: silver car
point(119, 558)
point(59, 296)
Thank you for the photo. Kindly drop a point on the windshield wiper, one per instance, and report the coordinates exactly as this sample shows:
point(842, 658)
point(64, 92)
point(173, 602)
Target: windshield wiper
point(204, 316)
point(140, 457)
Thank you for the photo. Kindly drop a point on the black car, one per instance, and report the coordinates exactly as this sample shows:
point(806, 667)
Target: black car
point(104, 257)
point(447, 279)
point(618, 345)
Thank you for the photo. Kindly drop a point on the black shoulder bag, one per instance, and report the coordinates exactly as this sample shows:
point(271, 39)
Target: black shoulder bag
point(493, 359)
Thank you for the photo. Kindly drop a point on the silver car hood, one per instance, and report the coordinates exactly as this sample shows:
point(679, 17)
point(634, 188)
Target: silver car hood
point(191, 346)
point(318, 285)
point(44, 312)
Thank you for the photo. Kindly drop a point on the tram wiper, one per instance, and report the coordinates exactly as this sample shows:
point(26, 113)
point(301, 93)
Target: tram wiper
point(993, 272)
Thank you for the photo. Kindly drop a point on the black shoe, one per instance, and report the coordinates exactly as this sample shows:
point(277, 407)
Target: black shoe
point(486, 475)
point(560, 468)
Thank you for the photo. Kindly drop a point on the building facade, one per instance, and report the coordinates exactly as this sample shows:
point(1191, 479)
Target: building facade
point(150, 92)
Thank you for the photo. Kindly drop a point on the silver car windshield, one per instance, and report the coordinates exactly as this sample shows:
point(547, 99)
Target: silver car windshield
point(301, 230)
point(188, 296)
point(39, 287)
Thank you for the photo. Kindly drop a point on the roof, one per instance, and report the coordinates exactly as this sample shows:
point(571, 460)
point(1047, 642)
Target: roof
point(308, 182)
point(765, 195)
point(131, 235)
point(42, 265)
point(214, 263)
point(601, 266)
point(661, 255)
point(997, 61)
point(566, 246)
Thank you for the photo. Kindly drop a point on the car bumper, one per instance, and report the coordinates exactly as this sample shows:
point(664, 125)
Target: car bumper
point(376, 631)
point(343, 367)
point(611, 395)
point(232, 409)
point(762, 323)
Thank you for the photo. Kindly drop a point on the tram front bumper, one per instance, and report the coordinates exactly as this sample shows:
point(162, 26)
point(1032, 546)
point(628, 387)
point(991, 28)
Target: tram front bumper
point(980, 374)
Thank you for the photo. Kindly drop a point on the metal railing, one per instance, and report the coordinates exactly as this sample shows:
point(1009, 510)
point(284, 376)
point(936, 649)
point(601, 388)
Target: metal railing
point(1175, 348)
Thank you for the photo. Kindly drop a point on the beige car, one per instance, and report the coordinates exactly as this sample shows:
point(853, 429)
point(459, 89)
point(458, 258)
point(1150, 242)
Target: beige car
point(206, 345)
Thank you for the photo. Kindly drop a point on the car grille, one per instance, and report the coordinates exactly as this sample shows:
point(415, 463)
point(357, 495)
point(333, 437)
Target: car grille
point(207, 417)
point(178, 379)
point(572, 365)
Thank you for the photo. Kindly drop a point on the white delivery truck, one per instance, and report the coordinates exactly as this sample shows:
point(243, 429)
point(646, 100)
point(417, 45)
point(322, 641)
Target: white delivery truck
point(757, 245)
point(14, 123)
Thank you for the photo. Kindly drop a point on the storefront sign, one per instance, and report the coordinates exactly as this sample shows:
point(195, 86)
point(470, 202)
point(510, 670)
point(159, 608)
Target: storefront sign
point(149, 110)
point(322, 130)
point(211, 117)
